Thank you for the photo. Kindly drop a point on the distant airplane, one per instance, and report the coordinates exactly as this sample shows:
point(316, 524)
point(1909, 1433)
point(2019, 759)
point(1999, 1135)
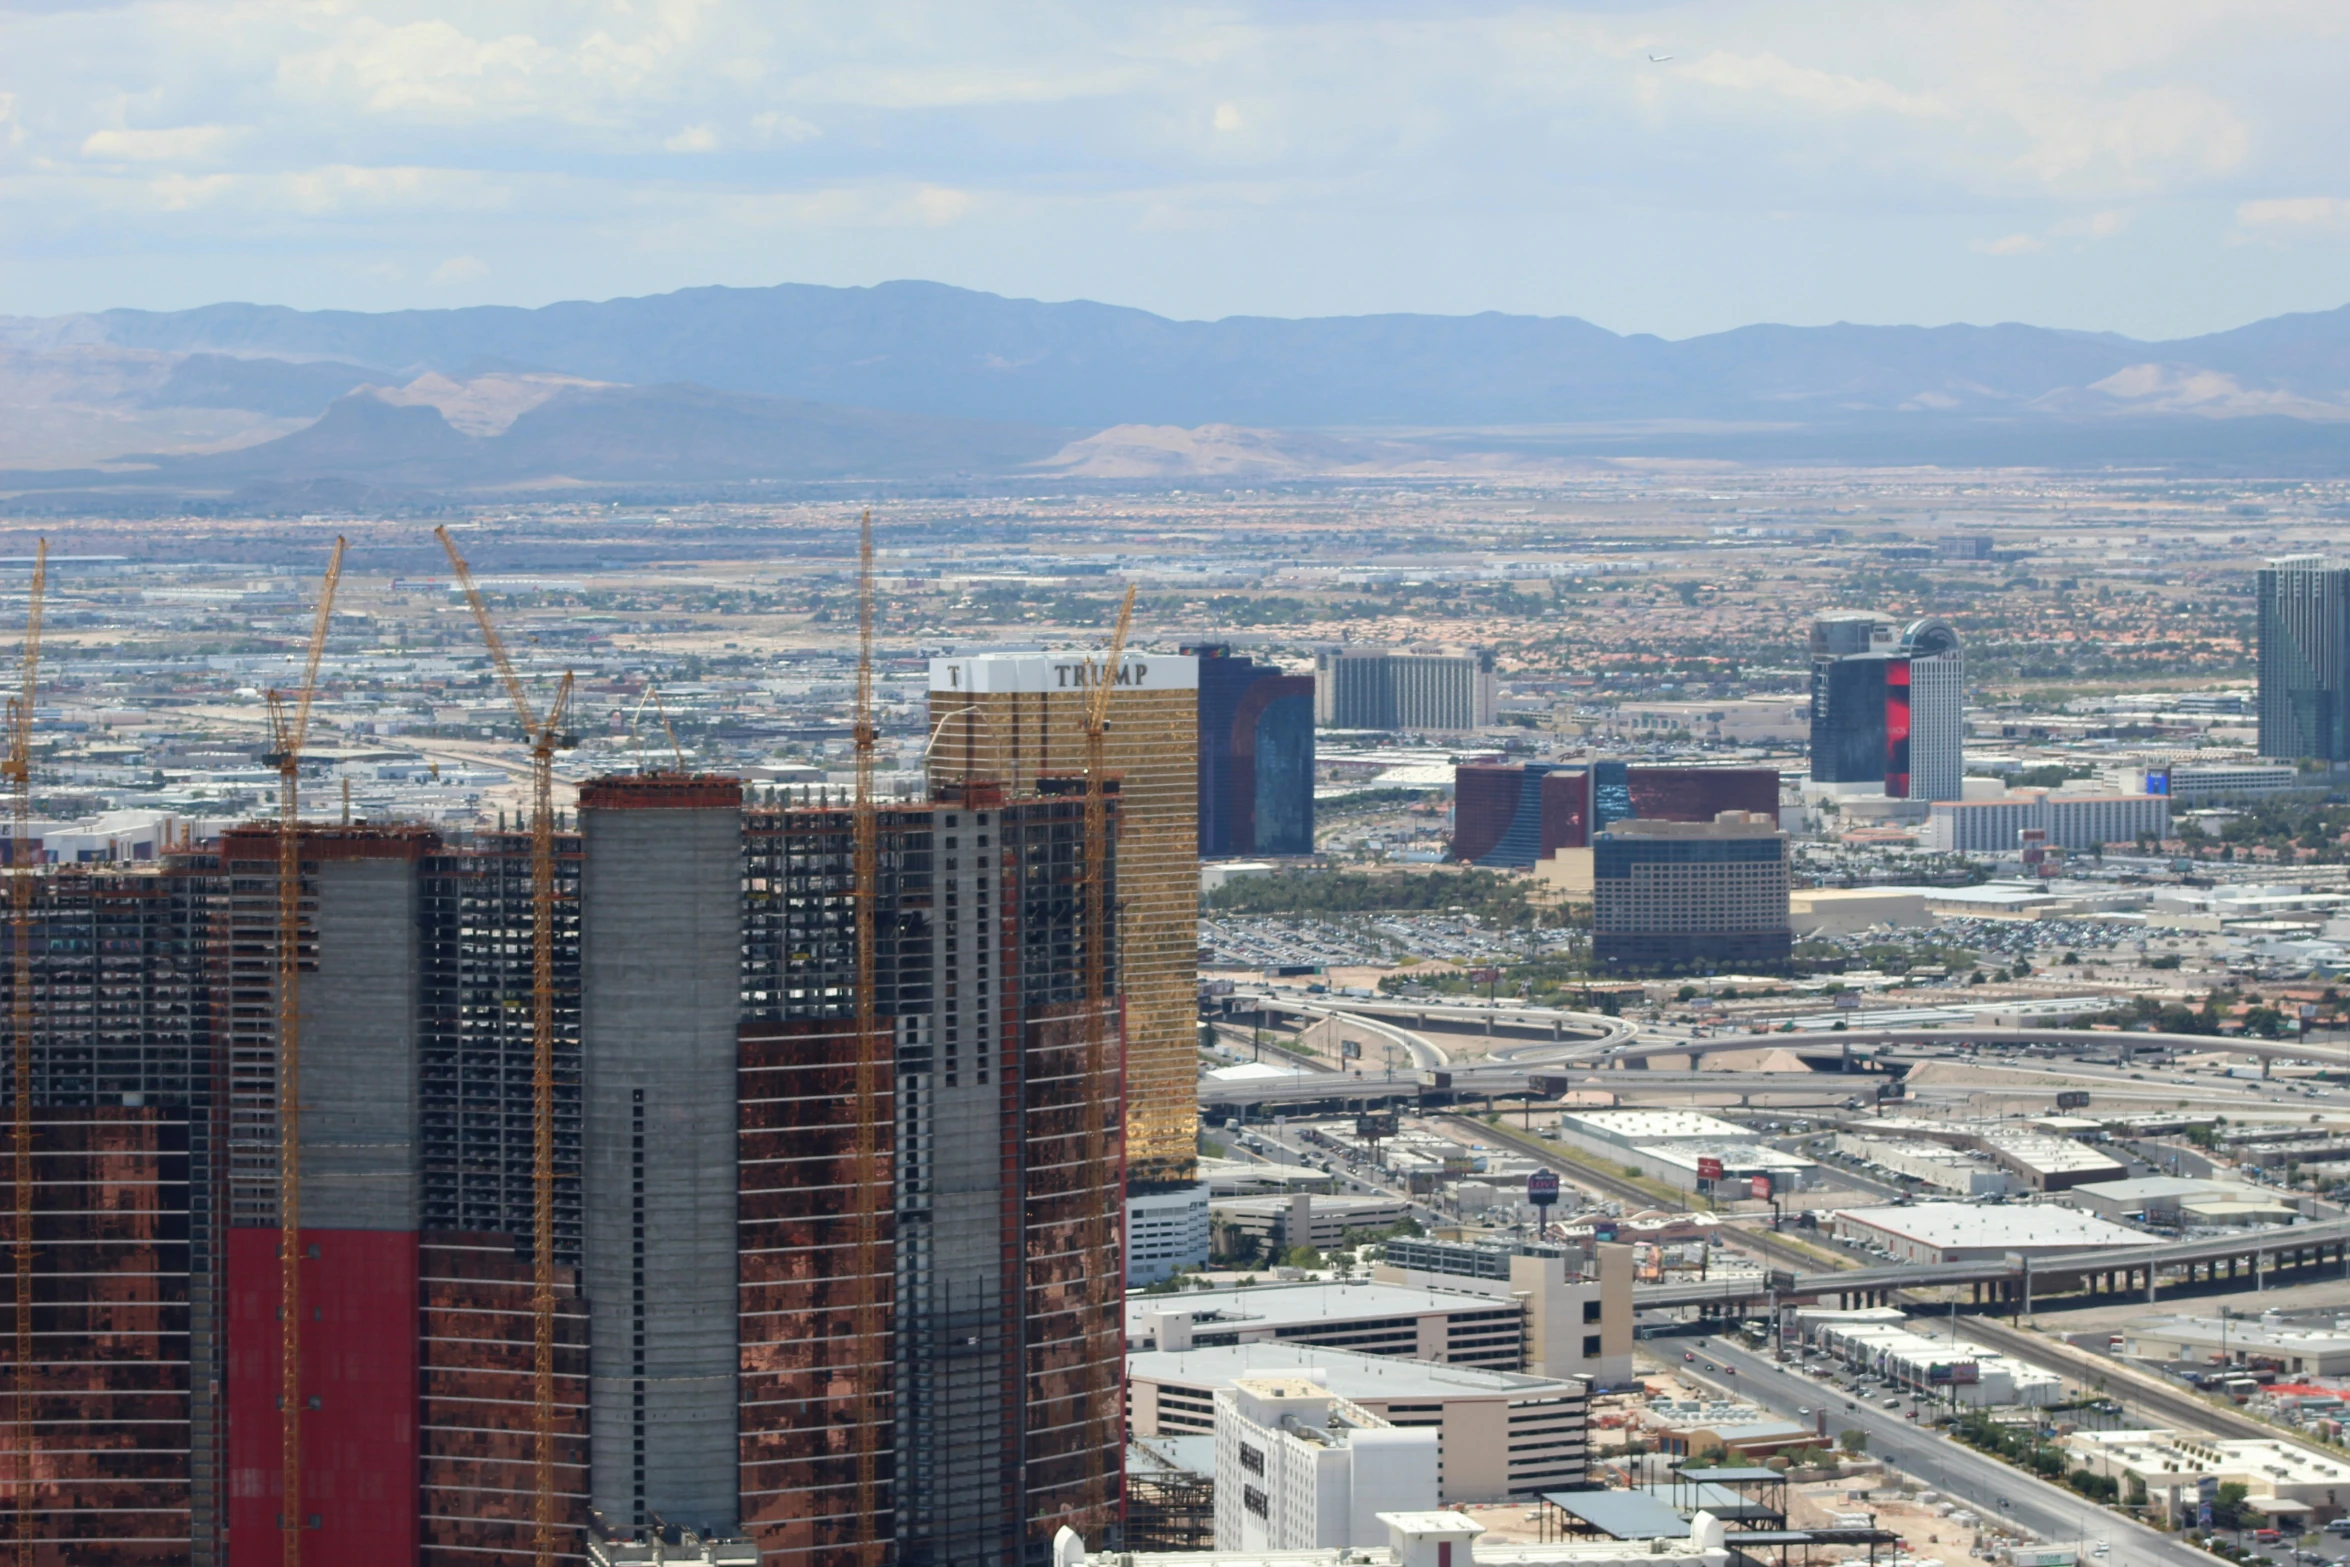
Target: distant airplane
point(1658, 59)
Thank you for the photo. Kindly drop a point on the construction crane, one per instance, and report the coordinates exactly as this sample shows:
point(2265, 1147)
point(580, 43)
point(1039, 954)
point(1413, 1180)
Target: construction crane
point(875, 1066)
point(288, 730)
point(636, 733)
point(20, 1027)
point(546, 735)
point(1102, 1406)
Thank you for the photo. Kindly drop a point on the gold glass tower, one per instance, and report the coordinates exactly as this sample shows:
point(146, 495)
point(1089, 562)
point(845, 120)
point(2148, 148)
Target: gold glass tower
point(1012, 718)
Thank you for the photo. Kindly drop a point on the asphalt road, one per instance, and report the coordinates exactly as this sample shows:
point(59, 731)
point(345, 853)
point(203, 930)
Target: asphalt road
point(1989, 1487)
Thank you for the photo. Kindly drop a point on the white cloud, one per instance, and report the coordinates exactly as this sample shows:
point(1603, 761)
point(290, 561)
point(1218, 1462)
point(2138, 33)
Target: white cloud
point(460, 269)
point(177, 144)
point(2009, 245)
point(1826, 91)
point(2280, 216)
point(1228, 117)
point(694, 138)
point(784, 127)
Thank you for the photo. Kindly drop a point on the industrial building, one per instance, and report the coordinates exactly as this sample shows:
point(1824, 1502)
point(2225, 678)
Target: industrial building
point(2297, 1351)
point(1256, 757)
point(1691, 895)
point(1968, 1232)
point(736, 1348)
point(1877, 1340)
point(1376, 688)
point(1499, 1434)
point(1514, 815)
point(2304, 654)
point(2283, 1481)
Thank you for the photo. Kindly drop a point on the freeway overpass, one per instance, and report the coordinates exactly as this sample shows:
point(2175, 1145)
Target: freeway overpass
point(2293, 1253)
point(1551, 1024)
point(1960, 1033)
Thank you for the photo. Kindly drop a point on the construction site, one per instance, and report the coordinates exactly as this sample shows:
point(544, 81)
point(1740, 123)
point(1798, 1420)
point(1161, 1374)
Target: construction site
point(691, 1161)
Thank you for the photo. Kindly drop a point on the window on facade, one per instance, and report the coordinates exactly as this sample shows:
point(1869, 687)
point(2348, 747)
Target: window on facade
point(1590, 1346)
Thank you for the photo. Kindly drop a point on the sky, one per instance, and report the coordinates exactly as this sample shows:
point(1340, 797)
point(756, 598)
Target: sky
point(2152, 167)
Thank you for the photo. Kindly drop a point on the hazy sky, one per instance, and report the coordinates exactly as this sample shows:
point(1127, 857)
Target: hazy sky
point(2146, 166)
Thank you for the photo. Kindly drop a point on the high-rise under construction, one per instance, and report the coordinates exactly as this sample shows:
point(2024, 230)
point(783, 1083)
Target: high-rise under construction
point(751, 1333)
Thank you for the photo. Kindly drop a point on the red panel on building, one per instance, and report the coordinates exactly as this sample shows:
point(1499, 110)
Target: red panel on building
point(359, 1341)
point(1897, 728)
point(1566, 810)
point(1699, 794)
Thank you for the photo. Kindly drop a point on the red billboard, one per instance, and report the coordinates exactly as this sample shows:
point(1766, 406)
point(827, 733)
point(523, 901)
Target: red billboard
point(1709, 1169)
point(1760, 1185)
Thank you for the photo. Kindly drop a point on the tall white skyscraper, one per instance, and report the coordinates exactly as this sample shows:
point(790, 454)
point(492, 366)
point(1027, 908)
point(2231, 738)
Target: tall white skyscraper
point(1928, 761)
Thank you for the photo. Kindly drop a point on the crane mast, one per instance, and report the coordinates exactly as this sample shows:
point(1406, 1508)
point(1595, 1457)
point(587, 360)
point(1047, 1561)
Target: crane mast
point(1101, 1262)
point(546, 735)
point(874, 1068)
point(288, 731)
point(20, 907)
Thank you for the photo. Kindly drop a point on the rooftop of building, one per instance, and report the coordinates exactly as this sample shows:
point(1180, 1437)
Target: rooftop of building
point(1658, 1126)
point(1282, 1305)
point(1413, 1537)
point(2010, 1225)
point(1347, 1373)
point(1726, 824)
point(2248, 1335)
point(2052, 1155)
point(2147, 1188)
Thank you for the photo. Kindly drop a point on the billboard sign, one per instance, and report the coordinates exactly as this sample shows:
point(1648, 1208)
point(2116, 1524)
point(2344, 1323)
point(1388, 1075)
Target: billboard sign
point(2073, 1099)
point(1542, 1188)
point(1709, 1169)
point(1456, 1165)
point(1376, 1125)
point(1760, 1185)
point(1350, 1050)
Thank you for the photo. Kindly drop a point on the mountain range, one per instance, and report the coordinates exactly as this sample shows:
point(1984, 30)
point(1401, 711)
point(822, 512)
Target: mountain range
point(921, 381)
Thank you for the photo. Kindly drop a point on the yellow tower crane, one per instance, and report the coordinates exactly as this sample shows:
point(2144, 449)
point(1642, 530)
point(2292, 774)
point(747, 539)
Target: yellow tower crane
point(288, 730)
point(1103, 1273)
point(20, 1027)
point(875, 1066)
point(546, 735)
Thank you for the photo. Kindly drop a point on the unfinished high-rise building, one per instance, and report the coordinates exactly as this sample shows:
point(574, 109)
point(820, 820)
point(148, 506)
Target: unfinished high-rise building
point(735, 1348)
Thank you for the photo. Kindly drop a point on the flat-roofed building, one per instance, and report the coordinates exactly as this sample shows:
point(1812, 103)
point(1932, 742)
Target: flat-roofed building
point(1877, 1340)
point(1499, 1434)
point(1434, 1540)
point(2282, 1480)
point(1305, 1218)
point(1688, 895)
point(1300, 1468)
point(1454, 1327)
point(2051, 1164)
point(2300, 1351)
point(1579, 1313)
point(2071, 821)
point(1971, 1232)
point(2153, 1199)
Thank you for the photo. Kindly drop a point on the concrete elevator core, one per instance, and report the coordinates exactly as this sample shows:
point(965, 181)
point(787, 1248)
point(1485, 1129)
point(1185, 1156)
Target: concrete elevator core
point(661, 955)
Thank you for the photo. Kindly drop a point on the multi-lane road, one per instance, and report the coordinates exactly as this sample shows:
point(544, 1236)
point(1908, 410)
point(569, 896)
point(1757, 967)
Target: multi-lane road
point(1975, 1480)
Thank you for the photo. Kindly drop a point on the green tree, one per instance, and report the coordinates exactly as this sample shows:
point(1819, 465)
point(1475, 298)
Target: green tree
point(1302, 1257)
point(1854, 1441)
